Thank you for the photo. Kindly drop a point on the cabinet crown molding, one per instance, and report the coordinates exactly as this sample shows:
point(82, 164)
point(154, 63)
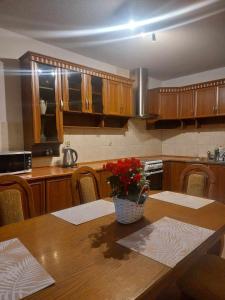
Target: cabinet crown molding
point(32, 56)
point(200, 85)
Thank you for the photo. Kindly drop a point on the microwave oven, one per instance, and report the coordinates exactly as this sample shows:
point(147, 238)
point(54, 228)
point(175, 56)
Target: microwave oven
point(15, 162)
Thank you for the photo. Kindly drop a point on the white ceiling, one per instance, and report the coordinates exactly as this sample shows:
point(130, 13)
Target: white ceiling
point(186, 49)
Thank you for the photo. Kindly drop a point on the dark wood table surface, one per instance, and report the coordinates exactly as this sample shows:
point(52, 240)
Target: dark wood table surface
point(87, 263)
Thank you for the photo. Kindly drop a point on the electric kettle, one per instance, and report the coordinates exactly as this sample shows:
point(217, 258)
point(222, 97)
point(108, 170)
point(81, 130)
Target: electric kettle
point(70, 157)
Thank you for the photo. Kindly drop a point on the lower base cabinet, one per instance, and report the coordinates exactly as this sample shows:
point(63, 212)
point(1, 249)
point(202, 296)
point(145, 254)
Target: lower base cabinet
point(105, 189)
point(38, 191)
point(58, 193)
point(55, 193)
point(173, 170)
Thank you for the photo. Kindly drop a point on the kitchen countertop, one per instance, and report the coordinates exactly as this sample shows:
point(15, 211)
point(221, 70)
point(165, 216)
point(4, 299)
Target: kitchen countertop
point(55, 171)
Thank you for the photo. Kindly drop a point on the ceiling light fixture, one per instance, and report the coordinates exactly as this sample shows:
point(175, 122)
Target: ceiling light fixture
point(131, 24)
point(134, 36)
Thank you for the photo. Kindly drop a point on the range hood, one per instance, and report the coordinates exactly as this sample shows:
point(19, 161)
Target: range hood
point(140, 92)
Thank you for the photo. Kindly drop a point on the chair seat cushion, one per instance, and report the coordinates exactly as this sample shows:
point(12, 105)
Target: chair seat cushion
point(205, 280)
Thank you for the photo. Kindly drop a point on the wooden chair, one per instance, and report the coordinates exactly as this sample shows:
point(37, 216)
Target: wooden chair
point(85, 185)
point(205, 280)
point(197, 180)
point(16, 199)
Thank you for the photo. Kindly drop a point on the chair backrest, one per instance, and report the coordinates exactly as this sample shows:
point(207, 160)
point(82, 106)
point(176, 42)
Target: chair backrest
point(85, 185)
point(16, 199)
point(11, 210)
point(198, 180)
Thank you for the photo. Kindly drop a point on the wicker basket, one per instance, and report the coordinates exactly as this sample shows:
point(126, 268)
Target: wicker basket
point(127, 211)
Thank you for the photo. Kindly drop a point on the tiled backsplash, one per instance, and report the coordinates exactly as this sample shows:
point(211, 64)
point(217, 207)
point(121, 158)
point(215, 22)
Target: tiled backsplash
point(103, 144)
point(191, 143)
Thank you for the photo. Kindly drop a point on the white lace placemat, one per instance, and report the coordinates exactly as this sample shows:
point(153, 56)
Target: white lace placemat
point(182, 199)
point(167, 241)
point(86, 212)
point(20, 273)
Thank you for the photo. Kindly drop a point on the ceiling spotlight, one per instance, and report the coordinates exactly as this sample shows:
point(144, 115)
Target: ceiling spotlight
point(153, 37)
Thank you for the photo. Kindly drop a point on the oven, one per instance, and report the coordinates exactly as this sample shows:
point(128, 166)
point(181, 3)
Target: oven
point(153, 170)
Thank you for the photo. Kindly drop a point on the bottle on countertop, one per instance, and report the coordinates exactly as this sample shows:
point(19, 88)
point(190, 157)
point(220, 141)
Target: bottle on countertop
point(221, 153)
point(216, 154)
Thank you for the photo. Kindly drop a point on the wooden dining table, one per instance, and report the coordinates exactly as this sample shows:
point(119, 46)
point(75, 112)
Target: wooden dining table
point(87, 263)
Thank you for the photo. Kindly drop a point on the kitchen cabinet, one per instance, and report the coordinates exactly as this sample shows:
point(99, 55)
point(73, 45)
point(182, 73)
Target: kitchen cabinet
point(55, 193)
point(97, 92)
point(171, 175)
point(221, 100)
point(193, 106)
point(153, 102)
point(186, 104)
point(126, 101)
point(112, 101)
point(73, 90)
point(42, 106)
point(105, 188)
point(168, 105)
point(219, 191)
point(38, 191)
point(59, 194)
point(206, 101)
point(57, 93)
point(119, 100)
point(82, 92)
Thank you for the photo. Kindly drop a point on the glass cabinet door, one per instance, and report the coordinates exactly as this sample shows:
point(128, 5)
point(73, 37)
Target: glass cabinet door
point(47, 78)
point(73, 90)
point(97, 94)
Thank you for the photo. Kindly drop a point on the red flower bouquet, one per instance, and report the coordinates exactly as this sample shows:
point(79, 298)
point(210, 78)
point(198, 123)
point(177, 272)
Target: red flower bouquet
point(128, 180)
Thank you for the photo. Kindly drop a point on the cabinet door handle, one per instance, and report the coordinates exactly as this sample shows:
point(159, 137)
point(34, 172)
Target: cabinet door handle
point(61, 105)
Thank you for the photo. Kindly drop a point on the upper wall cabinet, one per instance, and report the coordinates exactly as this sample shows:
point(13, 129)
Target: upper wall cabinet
point(73, 90)
point(118, 100)
point(198, 105)
point(221, 100)
point(168, 105)
point(206, 101)
point(186, 104)
point(82, 92)
point(56, 93)
point(127, 99)
point(153, 102)
point(42, 106)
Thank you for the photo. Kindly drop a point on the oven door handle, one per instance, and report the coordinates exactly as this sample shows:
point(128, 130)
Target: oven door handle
point(153, 172)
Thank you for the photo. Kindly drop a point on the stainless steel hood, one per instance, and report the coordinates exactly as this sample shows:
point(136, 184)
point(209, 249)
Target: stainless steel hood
point(140, 92)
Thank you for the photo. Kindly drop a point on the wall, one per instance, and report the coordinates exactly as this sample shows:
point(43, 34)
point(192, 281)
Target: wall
point(194, 142)
point(191, 143)
point(14, 45)
point(195, 78)
point(91, 144)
